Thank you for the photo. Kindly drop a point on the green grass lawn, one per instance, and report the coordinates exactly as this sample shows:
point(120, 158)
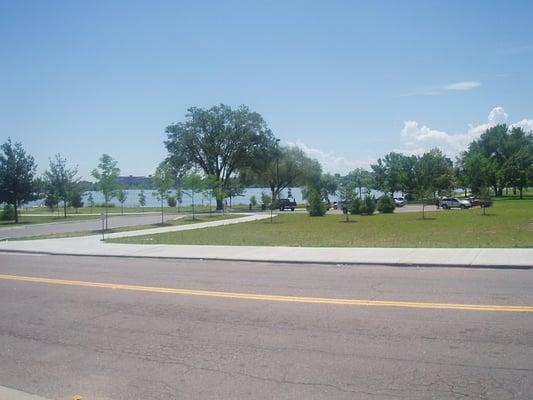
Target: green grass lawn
point(508, 224)
point(182, 221)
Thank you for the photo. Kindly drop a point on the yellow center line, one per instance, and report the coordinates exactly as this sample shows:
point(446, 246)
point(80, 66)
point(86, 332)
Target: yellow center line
point(268, 297)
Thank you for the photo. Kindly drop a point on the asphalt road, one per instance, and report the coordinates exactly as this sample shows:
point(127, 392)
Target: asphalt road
point(80, 226)
point(76, 334)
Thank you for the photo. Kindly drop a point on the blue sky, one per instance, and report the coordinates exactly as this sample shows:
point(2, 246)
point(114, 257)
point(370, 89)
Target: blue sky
point(347, 81)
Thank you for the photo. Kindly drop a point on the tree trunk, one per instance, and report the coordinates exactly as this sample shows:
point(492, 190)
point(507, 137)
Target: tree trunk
point(161, 210)
point(193, 205)
point(106, 208)
point(65, 208)
point(220, 204)
point(16, 213)
point(520, 189)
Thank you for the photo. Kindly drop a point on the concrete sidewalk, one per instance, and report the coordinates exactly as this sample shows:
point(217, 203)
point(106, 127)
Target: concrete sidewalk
point(454, 257)
point(12, 394)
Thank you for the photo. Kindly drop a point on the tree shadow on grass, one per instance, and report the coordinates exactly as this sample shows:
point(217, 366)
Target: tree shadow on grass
point(347, 222)
point(425, 219)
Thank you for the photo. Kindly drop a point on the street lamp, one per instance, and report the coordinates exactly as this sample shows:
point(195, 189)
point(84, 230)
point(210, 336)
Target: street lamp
point(277, 179)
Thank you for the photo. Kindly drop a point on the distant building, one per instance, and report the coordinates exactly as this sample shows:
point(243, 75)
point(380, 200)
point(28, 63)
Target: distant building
point(135, 182)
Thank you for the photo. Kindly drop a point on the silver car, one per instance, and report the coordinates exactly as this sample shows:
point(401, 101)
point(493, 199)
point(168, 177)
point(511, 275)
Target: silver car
point(453, 202)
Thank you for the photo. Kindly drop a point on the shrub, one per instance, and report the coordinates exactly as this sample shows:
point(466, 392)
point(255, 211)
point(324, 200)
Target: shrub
point(8, 214)
point(355, 206)
point(265, 199)
point(253, 201)
point(171, 201)
point(369, 205)
point(316, 206)
point(386, 204)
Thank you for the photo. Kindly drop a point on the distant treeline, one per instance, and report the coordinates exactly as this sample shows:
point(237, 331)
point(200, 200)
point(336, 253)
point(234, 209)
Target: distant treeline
point(126, 182)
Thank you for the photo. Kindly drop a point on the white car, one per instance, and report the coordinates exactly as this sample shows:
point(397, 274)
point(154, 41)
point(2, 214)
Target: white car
point(400, 201)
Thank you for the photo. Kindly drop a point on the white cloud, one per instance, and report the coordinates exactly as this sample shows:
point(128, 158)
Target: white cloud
point(498, 116)
point(439, 89)
point(525, 124)
point(417, 139)
point(466, 85)
point(330, 161)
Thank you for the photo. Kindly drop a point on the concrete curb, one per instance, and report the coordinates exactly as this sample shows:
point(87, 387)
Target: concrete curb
point(281, 261)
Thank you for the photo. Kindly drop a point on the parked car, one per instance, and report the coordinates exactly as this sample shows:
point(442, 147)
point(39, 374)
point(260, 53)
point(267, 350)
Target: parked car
point(400, 201)
point(476, 201)
point(289, 204)
point(453, 202)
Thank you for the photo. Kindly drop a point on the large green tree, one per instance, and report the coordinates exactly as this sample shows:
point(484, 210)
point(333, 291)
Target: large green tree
point(106, 176)
point(61, 181)
point(286, 167)
point(220, 141)
point(362, 179)
point(389, 173)
point(17, 174)
point(500, 158)
point(433, 173)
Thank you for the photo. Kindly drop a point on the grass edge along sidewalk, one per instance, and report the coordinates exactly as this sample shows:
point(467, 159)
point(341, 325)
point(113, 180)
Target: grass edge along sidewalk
point(508, 225)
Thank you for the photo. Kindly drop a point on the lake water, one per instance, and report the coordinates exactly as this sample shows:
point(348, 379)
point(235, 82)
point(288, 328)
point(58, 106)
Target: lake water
point(151, 199)
point(132, 199)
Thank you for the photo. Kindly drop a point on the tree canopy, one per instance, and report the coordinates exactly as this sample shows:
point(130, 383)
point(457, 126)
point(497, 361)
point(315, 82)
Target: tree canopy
point(220, 141)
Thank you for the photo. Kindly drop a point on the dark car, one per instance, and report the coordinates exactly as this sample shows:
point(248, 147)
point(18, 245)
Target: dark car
point(283, 204)
point(477, 201)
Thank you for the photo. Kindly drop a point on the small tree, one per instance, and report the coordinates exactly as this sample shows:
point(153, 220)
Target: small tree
point(369, 205)
point(265, 200)
point(60, 180)
point(122, 195)
point(194, 183)
point(347, 194)
point(234, 188)
point(162, 180)
point(171, 201)
point(142, 199)
point(107, 180)
point(90, 200)
point(51, 201)
point(8, 213)
point(316, 206)
point(76, 199)
point(253, 201)
point(356, 206)
point(386, 204)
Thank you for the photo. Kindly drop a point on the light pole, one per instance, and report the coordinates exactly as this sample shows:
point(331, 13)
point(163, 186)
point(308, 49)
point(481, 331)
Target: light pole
point(275, 194)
